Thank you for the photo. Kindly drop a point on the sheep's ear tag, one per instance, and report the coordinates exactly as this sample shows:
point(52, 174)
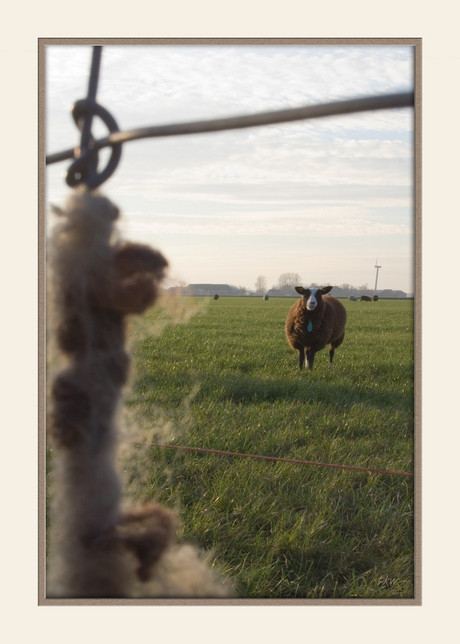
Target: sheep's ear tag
point(310, 326)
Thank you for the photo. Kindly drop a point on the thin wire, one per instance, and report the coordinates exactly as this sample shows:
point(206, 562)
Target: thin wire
point(276, 458)
point(386, 101)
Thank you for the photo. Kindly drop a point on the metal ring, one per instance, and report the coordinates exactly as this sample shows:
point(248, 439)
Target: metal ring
point(84, 169)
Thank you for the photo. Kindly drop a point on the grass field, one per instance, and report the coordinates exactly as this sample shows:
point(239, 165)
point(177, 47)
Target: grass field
point(221, 375)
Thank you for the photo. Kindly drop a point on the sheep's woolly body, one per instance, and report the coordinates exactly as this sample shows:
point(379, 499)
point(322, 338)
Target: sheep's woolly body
point(98, 551)
point(313, 330)
point(326, 327)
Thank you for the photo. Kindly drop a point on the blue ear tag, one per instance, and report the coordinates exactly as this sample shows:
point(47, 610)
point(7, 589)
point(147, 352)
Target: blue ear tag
point(310, 326)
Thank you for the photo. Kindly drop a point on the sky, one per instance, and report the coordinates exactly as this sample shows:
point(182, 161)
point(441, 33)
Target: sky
point(323, 198)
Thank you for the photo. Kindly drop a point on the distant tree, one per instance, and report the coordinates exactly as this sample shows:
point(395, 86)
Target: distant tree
point(261, 285)
point(287, 281)
point(242, 290)
point(363, 287)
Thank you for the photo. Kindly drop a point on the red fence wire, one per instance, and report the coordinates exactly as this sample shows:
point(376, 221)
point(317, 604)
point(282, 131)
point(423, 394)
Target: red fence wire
point(277, 458)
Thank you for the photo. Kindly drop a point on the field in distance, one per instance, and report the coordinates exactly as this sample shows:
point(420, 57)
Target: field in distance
point(219, 374)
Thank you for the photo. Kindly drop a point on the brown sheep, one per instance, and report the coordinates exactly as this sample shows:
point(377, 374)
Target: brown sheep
point(313, 322)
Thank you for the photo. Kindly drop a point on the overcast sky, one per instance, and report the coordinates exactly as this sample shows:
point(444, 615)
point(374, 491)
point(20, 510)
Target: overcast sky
point(321, 198)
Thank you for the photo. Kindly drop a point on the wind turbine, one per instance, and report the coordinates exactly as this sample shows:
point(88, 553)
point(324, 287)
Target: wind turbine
point(377, 274)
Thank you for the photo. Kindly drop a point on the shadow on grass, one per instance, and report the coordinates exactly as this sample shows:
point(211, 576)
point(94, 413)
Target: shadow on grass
point(244, 389)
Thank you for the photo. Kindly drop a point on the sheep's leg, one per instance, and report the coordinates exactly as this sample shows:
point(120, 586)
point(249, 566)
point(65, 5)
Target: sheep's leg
point(331, 355)
point(310, 358)
point(301, 357)
point(334, 346)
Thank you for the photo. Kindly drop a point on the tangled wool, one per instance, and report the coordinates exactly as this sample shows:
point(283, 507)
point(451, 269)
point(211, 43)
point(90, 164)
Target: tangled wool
point(98, 281)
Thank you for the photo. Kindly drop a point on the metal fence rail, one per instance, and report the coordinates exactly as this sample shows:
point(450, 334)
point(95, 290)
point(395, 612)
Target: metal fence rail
point(84, 167)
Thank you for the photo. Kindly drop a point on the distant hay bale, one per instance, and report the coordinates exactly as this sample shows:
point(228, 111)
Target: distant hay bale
point(216, 297)
point(375, 298)
point(265, 297)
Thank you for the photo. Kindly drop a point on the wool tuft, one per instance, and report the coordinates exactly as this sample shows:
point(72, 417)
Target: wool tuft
point(98, 550)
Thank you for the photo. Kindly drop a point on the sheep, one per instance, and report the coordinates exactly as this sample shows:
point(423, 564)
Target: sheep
point(352, 298)
point(216, 297)
point(265, 298)
point(365, 298)
point(313, 322)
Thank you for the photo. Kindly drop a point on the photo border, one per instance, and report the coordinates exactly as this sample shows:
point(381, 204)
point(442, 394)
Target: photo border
point(416, 43)
point(21, 619)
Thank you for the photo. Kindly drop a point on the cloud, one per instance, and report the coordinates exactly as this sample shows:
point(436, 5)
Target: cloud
point(263, 196)
point(346, 182)
point(312, 224)
point(159, 84)
point(248, 77)
point(274, 169)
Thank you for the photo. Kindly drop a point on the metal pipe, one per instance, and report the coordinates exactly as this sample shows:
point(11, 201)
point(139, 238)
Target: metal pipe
point(386, 101)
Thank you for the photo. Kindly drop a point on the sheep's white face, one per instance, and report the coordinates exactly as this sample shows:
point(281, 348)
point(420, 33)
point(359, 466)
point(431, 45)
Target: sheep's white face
point(312, 297)
point(312, 301)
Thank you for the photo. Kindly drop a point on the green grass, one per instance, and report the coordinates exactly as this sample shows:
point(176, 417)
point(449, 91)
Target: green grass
point(227, 379)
